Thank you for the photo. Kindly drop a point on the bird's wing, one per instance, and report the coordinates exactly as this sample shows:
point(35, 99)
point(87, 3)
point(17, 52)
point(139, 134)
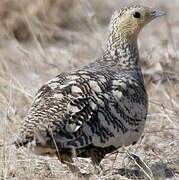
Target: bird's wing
point(107, 109)
point(126, 94)
point(69, 99)
point(61, 104)
point(83, 93)
point(81, 104)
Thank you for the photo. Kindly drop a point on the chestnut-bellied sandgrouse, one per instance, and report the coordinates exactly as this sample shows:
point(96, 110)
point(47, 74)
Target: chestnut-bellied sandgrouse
point(97, 108)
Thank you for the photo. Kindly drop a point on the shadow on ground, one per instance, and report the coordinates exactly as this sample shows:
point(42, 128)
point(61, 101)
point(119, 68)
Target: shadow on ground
point(160, 171)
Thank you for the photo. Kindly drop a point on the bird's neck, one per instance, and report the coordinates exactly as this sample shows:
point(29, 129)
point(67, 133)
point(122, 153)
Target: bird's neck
point(123, 50)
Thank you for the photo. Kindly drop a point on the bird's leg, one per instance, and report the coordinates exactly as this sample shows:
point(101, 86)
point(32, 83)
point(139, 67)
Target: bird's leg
point(66, 158)
point(74, 169)
point(96, 157)
point(98, 169)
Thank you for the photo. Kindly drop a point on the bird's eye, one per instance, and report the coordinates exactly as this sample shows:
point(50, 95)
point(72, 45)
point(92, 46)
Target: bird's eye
point(136, 14)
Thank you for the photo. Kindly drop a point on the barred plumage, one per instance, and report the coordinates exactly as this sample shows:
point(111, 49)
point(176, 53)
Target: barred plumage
point(98, 108)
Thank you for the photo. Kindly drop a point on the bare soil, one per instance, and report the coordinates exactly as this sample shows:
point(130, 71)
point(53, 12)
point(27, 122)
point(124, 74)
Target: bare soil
point(40, 39)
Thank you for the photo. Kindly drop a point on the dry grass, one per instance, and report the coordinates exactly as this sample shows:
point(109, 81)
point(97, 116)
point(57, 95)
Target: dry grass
point(40, 39)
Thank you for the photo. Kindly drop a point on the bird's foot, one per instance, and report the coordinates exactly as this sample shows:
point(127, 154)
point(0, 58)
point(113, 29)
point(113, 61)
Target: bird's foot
point(98, 170)
point(74, 169)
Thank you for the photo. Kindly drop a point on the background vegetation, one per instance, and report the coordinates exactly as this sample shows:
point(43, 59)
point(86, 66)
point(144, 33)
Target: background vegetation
point(40, 39)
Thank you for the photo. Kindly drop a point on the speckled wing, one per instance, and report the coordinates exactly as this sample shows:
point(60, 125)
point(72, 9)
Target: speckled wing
point(82, 108)
point(117, 113)
point(63, 105)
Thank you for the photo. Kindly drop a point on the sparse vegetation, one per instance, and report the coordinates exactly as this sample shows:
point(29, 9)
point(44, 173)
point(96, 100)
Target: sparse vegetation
point(40, 39)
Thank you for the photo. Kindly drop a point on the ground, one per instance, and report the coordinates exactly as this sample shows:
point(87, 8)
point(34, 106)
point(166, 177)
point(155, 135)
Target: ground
point(40, 39)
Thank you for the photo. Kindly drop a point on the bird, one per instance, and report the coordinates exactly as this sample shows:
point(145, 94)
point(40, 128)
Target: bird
point(95, 109)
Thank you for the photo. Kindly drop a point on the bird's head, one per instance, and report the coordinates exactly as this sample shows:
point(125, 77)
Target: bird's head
point(128, 21)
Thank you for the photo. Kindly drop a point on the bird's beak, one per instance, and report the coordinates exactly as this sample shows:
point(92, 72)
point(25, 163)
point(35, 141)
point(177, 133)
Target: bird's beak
point(158, 13)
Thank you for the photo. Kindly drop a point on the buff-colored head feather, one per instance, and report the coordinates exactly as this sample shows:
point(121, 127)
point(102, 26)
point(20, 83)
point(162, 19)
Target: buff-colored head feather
point(127, 22)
